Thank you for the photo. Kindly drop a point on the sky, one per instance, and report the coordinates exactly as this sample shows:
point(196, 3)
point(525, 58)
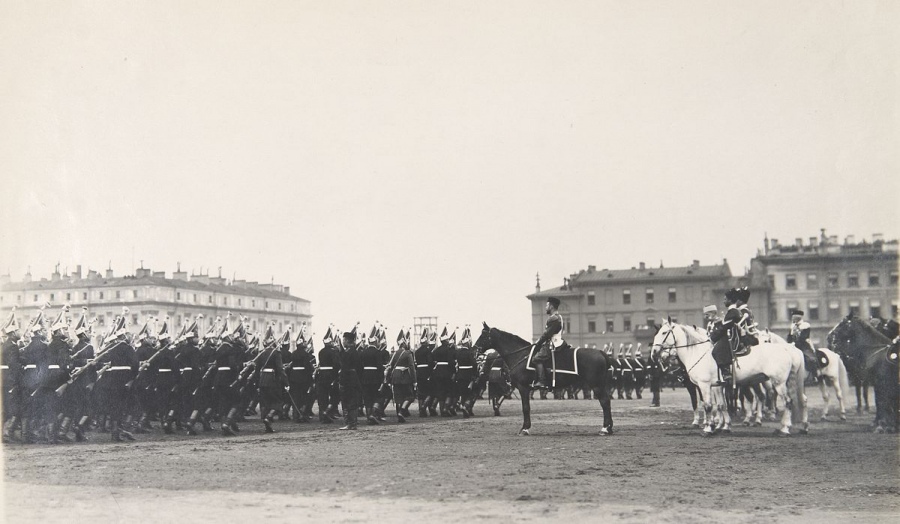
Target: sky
point(397, 159)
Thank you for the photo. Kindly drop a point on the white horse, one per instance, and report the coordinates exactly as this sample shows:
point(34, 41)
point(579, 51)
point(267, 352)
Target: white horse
point(833, 375)
point(782, 364)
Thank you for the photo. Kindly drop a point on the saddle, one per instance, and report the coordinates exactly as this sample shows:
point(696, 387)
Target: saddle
point(742, 351)
point(563, 360)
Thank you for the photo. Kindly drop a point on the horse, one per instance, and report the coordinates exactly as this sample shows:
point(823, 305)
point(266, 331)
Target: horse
point(833, 375)
point(780, 363)
point(877, 358)
point(593, 369)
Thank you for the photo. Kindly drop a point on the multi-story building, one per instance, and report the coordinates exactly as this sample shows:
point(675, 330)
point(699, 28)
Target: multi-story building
point(150, 293)
point(829, 280)
point(617, 306)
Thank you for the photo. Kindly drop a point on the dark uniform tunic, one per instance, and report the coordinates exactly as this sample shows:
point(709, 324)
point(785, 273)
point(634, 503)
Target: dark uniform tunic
point(228, 360)
point(544, 344)
point(442, 374)
point(32, 355)
point(726, 337)
point(424, 363)
point(799, 336)
point(300, 378)
point(402, 373)
point(372, 376)
point(271, 379)
point(76, 401)
point(190, 361)
point(11, 371)
point(112, 386)
point(465, 373)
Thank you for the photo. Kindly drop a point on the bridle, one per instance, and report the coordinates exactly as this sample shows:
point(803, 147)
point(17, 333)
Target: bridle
point(660, 347)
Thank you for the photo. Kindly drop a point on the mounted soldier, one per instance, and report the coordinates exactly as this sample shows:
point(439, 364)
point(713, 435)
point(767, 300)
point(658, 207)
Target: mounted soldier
point(726, 335)
point(549, 341)
point(799, 336)
point(749, 334)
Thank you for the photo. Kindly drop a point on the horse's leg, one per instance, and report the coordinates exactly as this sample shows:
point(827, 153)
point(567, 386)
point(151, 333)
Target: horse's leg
point(839, 393)
point(692, 391)
point(603, 396)
point(706, 394)
point(782, 391)
point(761, 396)
point(526, 410)
point(866, 395)
point(858, 387)
point(823, 387)
point(747, 393)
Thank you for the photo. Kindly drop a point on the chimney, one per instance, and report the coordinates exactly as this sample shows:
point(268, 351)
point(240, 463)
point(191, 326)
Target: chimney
point(179, 274)
point(695, 264)
point(643, 266)
point(142, 272)
point(159, 274)
point(812, 241)
point(537, 283)
point(833, 240)
point(774, 243)
point(799, 242)
point(77, 273)
point(591, 269)
point(286, 290)
point(27, 275)
point(877, 237)
point(850, 240)
point(5, 279)
point(92, 274)
point(203, 279)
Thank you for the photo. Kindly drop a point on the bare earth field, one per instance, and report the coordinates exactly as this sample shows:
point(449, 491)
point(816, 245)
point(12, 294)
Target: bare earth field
point(654, 469)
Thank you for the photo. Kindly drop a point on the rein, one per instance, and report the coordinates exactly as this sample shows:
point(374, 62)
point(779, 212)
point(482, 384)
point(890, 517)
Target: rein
point(676, 346)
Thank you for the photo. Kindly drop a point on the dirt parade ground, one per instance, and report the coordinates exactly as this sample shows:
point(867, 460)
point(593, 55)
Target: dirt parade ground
point(655, 468)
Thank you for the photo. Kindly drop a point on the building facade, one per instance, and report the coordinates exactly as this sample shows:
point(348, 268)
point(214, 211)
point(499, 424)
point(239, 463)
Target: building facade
point(828, 280)
point(617, 306)
point(149, 293)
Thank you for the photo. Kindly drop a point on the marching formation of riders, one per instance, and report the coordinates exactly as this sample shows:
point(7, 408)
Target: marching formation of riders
point(57, 384)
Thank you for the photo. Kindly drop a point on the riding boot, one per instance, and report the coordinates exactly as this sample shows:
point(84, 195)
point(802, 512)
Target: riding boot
point(268, 419)
point(405, 406)
point(379, 414)
point(63, 433)
point(191, 421)
point(141, 426)
point(539, 376)
point(125, 435)
point(496, 406)
point(400, 417)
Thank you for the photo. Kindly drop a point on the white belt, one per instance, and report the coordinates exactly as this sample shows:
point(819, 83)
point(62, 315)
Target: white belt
point(400, 367)
point(465, 367)
point(224, 368)
point(325, 367)
point(53, 366)
point(268, 370)
point(187, 369)
point(4, 367)
point(441, 363)
point(165, 370)
point(422, 366)
point(119, 368)
point(30, 366)
point(369, 367)
point(301, 367)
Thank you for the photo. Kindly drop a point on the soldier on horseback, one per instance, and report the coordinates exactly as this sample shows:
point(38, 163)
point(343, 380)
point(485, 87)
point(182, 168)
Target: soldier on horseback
point(799, 336)
point(549, 341)
point(725, 335)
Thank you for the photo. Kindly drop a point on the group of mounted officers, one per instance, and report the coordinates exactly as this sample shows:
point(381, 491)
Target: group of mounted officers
point(57, 384)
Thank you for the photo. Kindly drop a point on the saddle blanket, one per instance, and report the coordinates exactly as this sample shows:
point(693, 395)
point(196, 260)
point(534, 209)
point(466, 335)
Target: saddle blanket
point(563, 359)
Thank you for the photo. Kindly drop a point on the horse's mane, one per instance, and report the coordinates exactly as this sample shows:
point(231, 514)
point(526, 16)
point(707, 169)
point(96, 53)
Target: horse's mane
point(503, 336)
point(693, 334)
point(870, 330)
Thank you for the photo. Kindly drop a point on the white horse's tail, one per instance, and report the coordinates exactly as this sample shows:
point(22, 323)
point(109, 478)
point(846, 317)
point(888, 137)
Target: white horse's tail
point(798, 396)
point(843, 380)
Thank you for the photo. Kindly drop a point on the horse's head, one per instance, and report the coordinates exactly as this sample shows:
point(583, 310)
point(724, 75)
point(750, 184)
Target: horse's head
point(485, 341)
point(664, 343)
point(853, 335)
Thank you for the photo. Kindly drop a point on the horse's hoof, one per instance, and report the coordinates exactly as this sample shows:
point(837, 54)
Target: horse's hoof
point(804, 431)
point(757, 424)
point(604, 432)
point(843, 418)
point(879, 430)
point(727, 431)
point(824, 418)
point(695, 426)
point(524, 433)
point(747, 423)
point(705, 433)
point(779, 433)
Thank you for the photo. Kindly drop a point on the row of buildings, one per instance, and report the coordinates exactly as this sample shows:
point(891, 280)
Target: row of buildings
point(826, 278)
point(149, 293)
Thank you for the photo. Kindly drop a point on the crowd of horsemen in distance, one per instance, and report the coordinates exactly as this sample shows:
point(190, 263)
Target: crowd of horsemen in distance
point(58, 387)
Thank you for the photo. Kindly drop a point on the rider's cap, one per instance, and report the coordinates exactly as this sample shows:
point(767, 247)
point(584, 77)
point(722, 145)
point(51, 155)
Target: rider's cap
point(798, 312)
point(710, 309)
point(553, 301)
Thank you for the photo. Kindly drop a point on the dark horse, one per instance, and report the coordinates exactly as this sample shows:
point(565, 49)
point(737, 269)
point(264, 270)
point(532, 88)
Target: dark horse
point(593, 367)
point(864, 344)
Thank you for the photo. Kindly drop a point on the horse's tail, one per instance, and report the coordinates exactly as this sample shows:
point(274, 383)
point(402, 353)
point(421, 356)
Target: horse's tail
point(843, 379)
point(799, 394)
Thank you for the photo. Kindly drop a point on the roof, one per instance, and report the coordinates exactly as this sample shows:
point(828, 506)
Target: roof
point(554, 292)
point(651, 273)
point(254, 290)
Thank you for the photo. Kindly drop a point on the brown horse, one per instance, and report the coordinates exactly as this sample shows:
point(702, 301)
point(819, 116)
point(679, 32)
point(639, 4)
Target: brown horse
point(593, 368)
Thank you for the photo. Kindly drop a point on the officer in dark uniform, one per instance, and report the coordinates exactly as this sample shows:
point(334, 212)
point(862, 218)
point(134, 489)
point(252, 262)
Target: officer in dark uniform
point(11, 372)
point(142, 387)
point(401, 371)
point(348, 379)
point(76, 399)
point(749, 334)
point(190, 360)
point(270, 377)
point(372, 376)
point(120, 365)
point(34, 356)
point(165, 372)
point(228, 361)
point(799, 337)
point(726, 336)
point(465, 373)
point(326, 377)
point(424, 363)
point(300, 375)
point(550, 339)
point(444, 357)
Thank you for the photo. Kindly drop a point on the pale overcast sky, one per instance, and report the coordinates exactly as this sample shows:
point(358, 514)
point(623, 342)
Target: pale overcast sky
point(394, 159)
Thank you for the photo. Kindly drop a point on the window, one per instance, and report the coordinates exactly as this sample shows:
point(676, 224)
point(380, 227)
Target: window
point(254, 325)
point(134, 293)
point(224, 301)
point(592, 300)
point(178, 296)
point(651, 322)
point(592, 326)
point(195, 298)
point(52, 297)
point(134, 319)
point(68, 296)
point(279, 306)
point(833, 280)
point(118, 294)
point(834, 309)
point(565, 325)
point(853, 279)
point(771, 279)
point(626, 296)
point(36, 297)
point(875, 310)
point(101, 295)
point(790, 281)
point(252, 303)
point(210, 299)
point(790, 307)
point(812, 281)
point(267, 304)
point(874, 279)
point(19, 299)
point(84, 296)
point(894, 278)
point(649, 295)
point(689, 293)
point(854, 308)
point(610, 325)
point(813, 310)
point(674, 318)
point(239, 302)
point(893, 309)
point(673, 295)
point(626, 324)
